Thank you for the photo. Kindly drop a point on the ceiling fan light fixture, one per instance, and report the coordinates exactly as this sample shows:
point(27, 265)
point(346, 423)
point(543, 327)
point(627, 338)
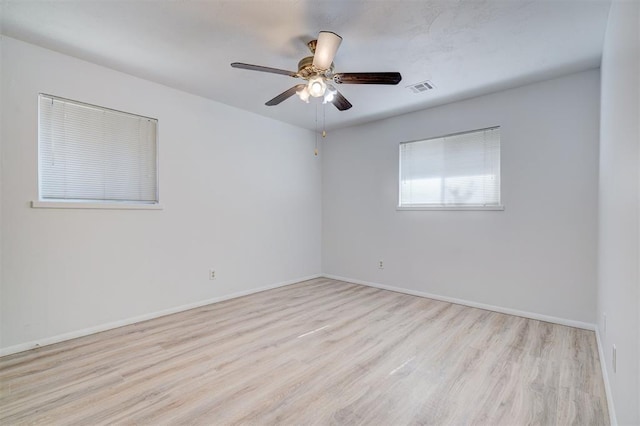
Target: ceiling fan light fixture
point(329, 94)
point(316, 86)
point(303, 94)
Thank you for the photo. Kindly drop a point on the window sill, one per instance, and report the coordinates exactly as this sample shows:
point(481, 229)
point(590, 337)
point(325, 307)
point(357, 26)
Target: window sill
point(470, 208)
point(94, 205)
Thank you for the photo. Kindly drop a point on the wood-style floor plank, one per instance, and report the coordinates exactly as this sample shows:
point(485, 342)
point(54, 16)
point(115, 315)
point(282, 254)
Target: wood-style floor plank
point(317, 352)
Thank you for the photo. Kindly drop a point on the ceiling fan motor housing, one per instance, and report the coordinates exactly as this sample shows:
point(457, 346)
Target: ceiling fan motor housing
point(306, 69)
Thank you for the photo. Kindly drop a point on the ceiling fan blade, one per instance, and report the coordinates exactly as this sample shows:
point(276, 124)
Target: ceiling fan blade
point(263, 69)
point(326, 49)
point(341, 102)
point(367, 78)
point(285, 95)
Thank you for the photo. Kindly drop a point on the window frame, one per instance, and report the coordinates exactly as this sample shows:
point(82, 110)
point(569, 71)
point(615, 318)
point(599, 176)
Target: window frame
point(95, 203)
point(451, 207)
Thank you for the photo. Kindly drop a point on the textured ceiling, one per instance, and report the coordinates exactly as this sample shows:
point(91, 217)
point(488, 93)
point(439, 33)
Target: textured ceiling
point(466, 48)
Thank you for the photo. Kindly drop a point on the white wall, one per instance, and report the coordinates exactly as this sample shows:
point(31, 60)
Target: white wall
point(619, 208)
point(241, 194)
point(537, 256)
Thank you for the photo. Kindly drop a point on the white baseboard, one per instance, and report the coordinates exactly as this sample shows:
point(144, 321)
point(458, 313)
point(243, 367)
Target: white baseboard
point(128, 321)
point(605, 377)
point(108, 326)
point(509, 311)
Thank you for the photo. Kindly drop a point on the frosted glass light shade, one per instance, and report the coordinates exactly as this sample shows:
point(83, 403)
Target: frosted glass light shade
point(316, 87)
point(303, 94)
point(329, 94)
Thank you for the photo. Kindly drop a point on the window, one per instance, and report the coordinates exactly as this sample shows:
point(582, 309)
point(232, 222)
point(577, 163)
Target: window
point(459, 171)
point(90, 154)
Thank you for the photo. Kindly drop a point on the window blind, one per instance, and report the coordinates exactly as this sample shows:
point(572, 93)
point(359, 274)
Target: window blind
point(455, 170)
point(90, 153)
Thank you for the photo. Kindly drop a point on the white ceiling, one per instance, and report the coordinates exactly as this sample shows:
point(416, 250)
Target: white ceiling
point(466, 47)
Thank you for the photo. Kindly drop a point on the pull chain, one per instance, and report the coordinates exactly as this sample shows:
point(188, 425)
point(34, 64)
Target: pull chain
point(324, 121)
point(315, 151)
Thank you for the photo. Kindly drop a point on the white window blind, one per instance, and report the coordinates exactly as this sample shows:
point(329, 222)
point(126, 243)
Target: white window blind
point(460, 170)
point(90, 153)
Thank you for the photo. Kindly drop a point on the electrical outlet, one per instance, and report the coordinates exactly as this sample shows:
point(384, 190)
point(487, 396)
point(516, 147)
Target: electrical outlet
point(614, 361)
point(212, 274)
point(604, 323)
point(380, 264)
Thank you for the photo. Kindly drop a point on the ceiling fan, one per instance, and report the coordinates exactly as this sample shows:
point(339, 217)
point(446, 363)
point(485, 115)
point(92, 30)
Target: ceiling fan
point(318, 71)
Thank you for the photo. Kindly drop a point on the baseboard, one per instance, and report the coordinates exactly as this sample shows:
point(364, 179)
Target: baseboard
point(121, 323)
point(605, 377)
point(516, 312)
point(128, 321)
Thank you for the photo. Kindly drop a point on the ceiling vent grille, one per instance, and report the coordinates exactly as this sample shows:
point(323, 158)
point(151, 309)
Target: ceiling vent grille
point(421, 87)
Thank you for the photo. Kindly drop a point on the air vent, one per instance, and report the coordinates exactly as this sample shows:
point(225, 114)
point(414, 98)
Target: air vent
point(423, 86)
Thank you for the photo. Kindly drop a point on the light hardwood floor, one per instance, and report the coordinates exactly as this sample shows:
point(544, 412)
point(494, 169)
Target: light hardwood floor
point(317, 352)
